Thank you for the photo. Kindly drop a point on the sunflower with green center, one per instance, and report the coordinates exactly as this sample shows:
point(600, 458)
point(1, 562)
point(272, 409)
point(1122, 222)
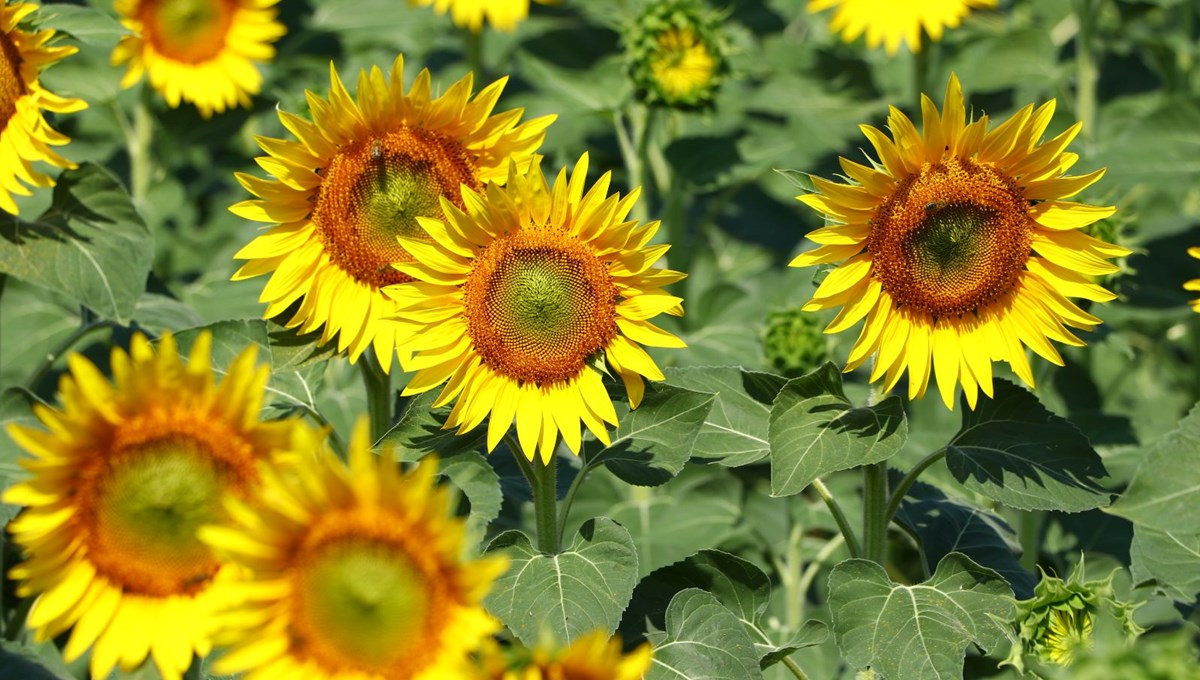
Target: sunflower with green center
point(959, 248)
point(890, 23)
point(25, 136)
point(520, 299)
point(676, 53)
point(1194, 284)
point(122, 482)
point(502, 15)
point(203, 52)
point(355, 573)
point(361, 175)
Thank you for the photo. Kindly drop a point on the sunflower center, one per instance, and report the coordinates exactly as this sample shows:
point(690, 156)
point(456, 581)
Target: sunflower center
point(12, 87)
point(538, 304)
point(366, 600)
point(374, 191)
point(683, 64)
point(953, 238)
point(141, 502)
point(188, 31)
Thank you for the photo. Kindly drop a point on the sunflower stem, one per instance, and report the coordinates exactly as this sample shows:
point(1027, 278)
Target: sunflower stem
point(875, 521)
point(839, 517)
point(474, 48)
point(1029, 528)
point(543, 483)
point(906, 483)
point(1085, 61)
point(791, 666)
point(569, 499)
point(141, 161)
point(920, 63)
point(379, 396)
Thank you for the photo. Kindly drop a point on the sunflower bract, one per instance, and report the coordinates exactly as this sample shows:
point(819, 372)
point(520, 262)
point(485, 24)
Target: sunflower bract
point(958, 248)
point(360, 176)
point(122, 481)
point(25, 136)
point(514, 297)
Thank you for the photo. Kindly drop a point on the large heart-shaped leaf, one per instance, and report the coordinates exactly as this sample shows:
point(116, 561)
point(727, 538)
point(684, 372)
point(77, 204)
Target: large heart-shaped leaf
point(1162, 493)
point(1169, 558)
point(703, 641)
point(922, 631)
point(735, 431)
point(583, 588)
point(815, 430)
point(1013, 450)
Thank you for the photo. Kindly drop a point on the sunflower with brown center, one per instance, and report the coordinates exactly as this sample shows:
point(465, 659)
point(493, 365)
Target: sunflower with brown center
point(203, 52)
point(890, 23)
point(359, 178)
point(122, 482)
point(519, 299)
point(355, 573)
point(959, 248)
point(25, 136)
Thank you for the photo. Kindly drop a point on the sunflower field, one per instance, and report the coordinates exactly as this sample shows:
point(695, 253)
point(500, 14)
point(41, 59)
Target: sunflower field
point(599, 339)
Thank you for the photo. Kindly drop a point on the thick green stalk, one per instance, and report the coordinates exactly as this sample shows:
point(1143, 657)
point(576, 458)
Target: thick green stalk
point(1029, 529)
point(875, 520)
point(141, 160)
point(920, 62)
point(474, 45)
point(565, 511)
point(1085, 62)
point(542, 482)
point(791, 666)
point(379, 396)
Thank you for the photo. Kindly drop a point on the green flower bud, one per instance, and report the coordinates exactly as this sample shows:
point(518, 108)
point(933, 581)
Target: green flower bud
point(677, 53)
point(793, 342)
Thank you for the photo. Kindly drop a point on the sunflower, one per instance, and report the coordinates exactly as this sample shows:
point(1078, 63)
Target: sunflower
point(589, 657)
point(676, 53)
point(199, 51)
point(889, 23)
point(356, 573)
point(502, 15)
point(1194, 284)
point(519, 300)
point(361, 175)
point(25, 136)
point(122, 481)
point(958, 248)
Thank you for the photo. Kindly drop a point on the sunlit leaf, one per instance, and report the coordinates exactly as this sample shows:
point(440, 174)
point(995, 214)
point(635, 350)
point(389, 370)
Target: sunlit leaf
point(703, 641)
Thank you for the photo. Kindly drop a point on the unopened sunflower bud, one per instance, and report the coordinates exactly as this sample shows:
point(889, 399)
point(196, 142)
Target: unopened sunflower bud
point(677, 53)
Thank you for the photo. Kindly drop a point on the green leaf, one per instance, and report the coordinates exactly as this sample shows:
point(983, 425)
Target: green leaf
point(583, 588)
point(90, 244)
point(1168, 558)
point(293, 382)
point(735, 431)
point(739, 585)
point(470, 473)
point(703, 641)
point(947, 525)
point(1162, 493)
point(419, 431)
point(1014, 451)
point(815, 430)
point(654, 441)
point(83, 23)
point(920, 631)
point(30, 662)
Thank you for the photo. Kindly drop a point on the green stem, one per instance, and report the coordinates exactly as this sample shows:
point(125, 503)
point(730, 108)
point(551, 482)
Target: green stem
point(63, 347)
point(791, 666)
point(839, 517)
point(875, 502)
point(141, 161)
point(920, 62)
point(1085, 61)
point(195, 671)
point(1029, 526)
point(379, 396)
point(569, 499)
point(906, 483)
point(542, 483)
point(474, 48)
point(810, 572)
point(632, 160)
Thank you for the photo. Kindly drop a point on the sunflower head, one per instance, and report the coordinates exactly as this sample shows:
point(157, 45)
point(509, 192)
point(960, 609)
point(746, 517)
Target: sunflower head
point(677, 53)
point(793, 342)
point(203, 52)
point(357, 179)
point(1194, 284)
point(890, 23)
point(593, 656)
point(521, 298)
point(959, 248)
point(123, 478)
point(353, 572)
point(25, 136)
point(502, 15)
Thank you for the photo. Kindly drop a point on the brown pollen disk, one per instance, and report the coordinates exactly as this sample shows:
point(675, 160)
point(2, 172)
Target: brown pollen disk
point(373, 192)
point(538, 304)
point(12, 86)
point(188, 31)
point(953, 238)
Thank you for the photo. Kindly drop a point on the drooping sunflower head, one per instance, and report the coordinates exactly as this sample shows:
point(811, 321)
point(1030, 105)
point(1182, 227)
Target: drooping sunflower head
point(1194, 284)
point(891, 23)
point(203, 52)
point(25, 136)
point(959, 248)
point(677, 53)
point(502, 15)
point(122, 481)
point(354, 572)
point(519, 299)
point(359, 177)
